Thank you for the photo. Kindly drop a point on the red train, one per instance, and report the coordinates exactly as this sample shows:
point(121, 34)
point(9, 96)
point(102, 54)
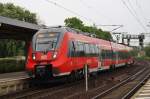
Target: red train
point(59, 51)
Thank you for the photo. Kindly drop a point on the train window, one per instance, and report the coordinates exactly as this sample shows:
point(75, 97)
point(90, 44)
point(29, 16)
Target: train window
point(71, 49)
point(124, 55)
point(87, 49)
point(110, 54)
point(121, 55)
point(81, 49)
point(115, 55)
point(97, 50)
point(90, 50)
point(118, 55)
point(103, 54)
point(93, 49)
point(106, 54)
point(77, 48)
point(46, 41)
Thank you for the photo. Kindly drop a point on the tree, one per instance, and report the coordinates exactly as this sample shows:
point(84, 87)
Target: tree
point(12, 47)
point(16, 12)
point(74, 23)
point(78, 24)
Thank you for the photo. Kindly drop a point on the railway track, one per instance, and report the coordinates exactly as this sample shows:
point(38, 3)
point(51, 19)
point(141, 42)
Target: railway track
point(134, 89)
point(120, 90)
point(41, 91)
point(76, 90)
point(106, 89)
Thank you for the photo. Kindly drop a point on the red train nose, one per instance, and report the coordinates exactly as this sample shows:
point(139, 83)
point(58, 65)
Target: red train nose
point(42, 56)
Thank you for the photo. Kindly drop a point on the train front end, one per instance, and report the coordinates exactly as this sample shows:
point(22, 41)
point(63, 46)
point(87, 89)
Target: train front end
point(42, 52)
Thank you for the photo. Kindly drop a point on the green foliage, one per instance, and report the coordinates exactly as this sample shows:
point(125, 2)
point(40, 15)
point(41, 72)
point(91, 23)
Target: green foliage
point(11, 65)
point(142, 58)
point(147, 51)
point(78, 24)
point(12, 47)
point(16, 12)
point(134, 52)
point(74, 23)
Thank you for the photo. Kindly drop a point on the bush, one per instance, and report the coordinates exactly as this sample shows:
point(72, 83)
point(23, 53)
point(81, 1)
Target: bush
point(142, 58)
point(11, 65)
point(147, 51)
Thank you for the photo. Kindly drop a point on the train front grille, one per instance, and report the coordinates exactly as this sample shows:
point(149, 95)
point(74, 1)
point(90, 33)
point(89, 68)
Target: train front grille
point(43, 71)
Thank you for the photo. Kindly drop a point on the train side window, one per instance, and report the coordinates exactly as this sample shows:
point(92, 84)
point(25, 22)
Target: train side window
point(109, 54)
point(81, 49)
point(90, 50)
point(106, 54)
point(76, 49)
point(71, 49)
point(87, 50)
point(114, 55)
point(96, 50)
point(93, 49)
point(103, 54)
point(119, 54)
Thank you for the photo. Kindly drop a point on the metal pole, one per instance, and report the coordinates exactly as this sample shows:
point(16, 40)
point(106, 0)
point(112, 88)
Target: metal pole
point(86, 77)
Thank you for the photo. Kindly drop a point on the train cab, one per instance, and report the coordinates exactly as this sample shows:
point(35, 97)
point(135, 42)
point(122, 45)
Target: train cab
point(43, 50)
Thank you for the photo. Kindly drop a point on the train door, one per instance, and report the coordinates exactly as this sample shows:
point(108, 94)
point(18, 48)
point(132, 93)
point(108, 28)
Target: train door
point(79, 54)
point(100, 59)
point(103, 58)
point(116, 57)
point(72, 53)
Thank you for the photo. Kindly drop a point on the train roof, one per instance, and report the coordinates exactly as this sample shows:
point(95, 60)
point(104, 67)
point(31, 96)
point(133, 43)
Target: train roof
point(64, 29)
point(83, 36)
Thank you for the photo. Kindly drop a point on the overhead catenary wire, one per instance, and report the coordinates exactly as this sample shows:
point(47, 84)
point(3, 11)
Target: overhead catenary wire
point(95, 10)
point(136, 18)
point(69, 10)
point(98, 10)
point(135, 10)
point(132, 7)
point(140, 10)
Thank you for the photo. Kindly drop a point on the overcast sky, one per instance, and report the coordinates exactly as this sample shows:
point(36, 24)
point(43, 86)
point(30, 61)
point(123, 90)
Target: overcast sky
point(99, 12)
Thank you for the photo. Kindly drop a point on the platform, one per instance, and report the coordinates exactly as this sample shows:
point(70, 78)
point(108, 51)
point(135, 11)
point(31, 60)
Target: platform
point(13, 76)
point(144, 92)
point(13, 82)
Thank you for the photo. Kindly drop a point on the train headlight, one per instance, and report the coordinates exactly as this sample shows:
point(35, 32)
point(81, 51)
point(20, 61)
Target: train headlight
point(33, 56)
point(54, 55)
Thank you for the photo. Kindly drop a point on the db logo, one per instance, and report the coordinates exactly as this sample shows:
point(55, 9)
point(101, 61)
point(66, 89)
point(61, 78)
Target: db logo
point(88, 61)
point(44, 57)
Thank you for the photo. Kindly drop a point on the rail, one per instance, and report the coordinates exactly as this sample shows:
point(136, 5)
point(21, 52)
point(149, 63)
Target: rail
point(119, 84)
point(136, 88)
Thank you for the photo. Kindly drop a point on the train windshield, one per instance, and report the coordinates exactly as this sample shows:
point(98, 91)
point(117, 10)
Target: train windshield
point(46, 41)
